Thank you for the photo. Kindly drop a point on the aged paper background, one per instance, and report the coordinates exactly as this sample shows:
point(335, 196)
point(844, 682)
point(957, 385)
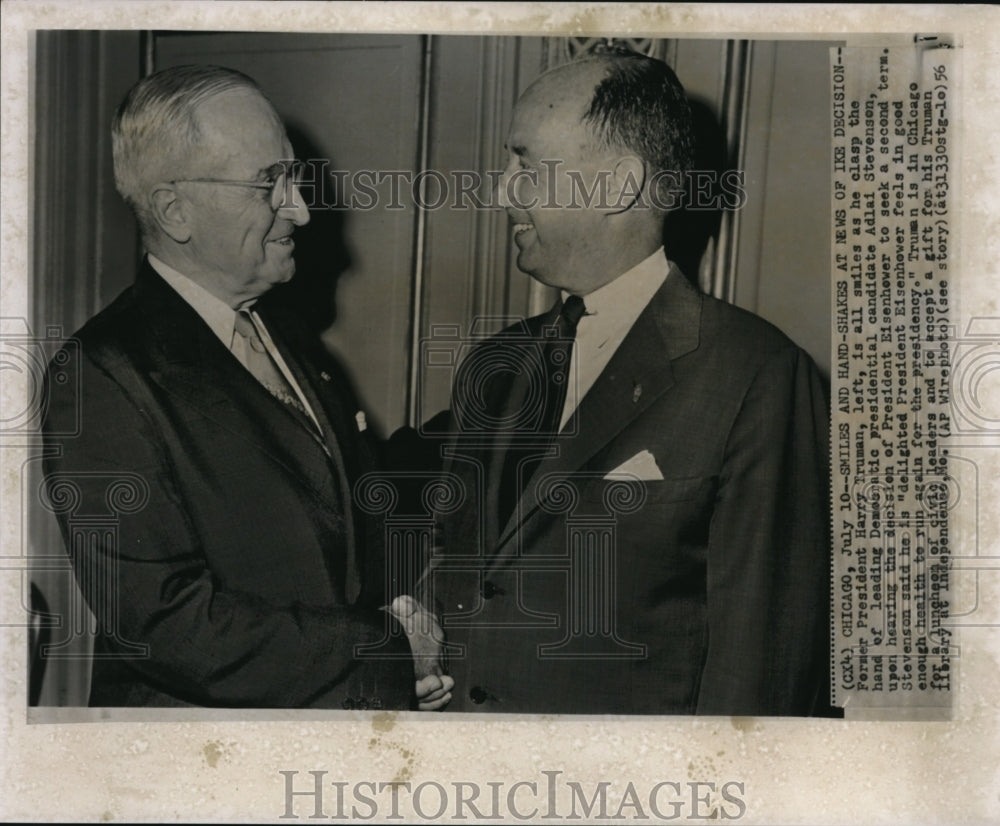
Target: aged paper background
point(812, 771)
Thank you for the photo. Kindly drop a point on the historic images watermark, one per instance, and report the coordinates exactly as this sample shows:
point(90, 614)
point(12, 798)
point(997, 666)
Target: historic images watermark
point(313, 795)
point(549, 185)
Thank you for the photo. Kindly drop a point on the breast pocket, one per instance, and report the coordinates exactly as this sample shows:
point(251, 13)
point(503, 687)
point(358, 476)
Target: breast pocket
point(666, 491)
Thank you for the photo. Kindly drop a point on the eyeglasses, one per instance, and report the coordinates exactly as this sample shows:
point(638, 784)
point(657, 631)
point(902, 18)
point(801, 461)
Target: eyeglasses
point(281, 178)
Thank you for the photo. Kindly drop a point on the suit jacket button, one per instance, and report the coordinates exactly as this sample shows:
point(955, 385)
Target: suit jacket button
point(491, 589)
point(478, 695)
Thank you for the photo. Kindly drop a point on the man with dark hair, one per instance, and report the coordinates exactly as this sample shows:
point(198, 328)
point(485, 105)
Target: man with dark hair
point(223, 439)
point(640, 106)
point(646, 526)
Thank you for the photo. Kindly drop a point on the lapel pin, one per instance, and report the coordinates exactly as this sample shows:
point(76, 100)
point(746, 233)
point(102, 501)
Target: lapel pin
point(636, 392)
point(359, 417)
point(325, 376)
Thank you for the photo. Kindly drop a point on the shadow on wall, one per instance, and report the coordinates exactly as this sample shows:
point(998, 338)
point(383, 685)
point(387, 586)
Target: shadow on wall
point(688, 230)
point(321, 252)
point(322, 257)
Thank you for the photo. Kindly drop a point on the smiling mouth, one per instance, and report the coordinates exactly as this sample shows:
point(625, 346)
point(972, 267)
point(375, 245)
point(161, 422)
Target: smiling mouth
point(519, 228)
point(285, 242)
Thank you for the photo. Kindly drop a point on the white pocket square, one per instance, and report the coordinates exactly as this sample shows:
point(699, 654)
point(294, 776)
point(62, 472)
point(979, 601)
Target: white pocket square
point(642, 466)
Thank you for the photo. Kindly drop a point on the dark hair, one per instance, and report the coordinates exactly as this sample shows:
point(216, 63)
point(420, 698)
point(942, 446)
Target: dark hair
point(641, 106)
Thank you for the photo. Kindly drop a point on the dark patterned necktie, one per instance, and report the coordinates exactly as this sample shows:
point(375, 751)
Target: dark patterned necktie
point(558, 351)
point(529, 445)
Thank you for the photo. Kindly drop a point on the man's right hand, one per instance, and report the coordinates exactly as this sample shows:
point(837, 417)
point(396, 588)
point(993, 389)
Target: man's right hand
point(433, 688)
point(434, 692)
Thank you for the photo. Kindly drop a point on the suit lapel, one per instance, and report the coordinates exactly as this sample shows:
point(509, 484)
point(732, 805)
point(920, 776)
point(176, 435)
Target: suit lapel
point(510, 399)
point(478, 454)
point(339, 436)
point(195, 366)
point(310, 378)
point(638, 374)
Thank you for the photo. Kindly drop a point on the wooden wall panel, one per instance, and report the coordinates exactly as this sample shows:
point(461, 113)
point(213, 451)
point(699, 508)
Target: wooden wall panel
point(352, 100)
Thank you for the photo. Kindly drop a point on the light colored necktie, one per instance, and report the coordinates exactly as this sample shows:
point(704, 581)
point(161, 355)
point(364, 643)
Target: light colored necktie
point(258, 358)
point(259, 361)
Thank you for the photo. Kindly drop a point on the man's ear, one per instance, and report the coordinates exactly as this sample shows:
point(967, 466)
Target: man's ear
point(170, 213)
point(625, 187)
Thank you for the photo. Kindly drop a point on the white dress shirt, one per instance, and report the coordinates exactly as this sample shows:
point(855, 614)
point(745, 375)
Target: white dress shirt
point(610, 313)
point(221, 320)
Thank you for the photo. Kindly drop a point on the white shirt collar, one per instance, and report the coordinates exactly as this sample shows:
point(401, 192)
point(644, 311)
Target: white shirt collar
point(218, 315)
point(627, 296)
point(612, 310)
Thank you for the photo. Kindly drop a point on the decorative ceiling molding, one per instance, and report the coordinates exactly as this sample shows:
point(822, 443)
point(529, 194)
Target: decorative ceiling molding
point(559, 50)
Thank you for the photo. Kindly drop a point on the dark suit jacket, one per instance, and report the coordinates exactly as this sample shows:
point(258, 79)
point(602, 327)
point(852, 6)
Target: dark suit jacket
point(234, 554)
point(710, 594)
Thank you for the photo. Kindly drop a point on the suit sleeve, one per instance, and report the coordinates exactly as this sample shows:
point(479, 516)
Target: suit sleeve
point(768, 553)
point(206, 645)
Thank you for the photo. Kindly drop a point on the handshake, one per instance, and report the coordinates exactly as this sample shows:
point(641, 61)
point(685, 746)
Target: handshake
point(433, 687)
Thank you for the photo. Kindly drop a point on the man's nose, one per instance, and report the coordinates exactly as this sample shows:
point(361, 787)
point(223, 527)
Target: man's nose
point(293, 206)
point(509, 183)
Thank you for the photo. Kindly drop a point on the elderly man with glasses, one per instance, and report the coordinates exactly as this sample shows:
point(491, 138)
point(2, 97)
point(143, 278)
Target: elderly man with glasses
point(239, 574)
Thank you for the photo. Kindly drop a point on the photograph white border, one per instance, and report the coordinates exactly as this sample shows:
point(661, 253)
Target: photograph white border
point(793, 771)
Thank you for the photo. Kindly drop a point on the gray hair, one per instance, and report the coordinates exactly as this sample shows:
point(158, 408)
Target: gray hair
point(155, 129)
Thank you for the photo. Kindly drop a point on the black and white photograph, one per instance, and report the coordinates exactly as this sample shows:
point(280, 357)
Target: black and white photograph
point(259, 533)
point(532, 411)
